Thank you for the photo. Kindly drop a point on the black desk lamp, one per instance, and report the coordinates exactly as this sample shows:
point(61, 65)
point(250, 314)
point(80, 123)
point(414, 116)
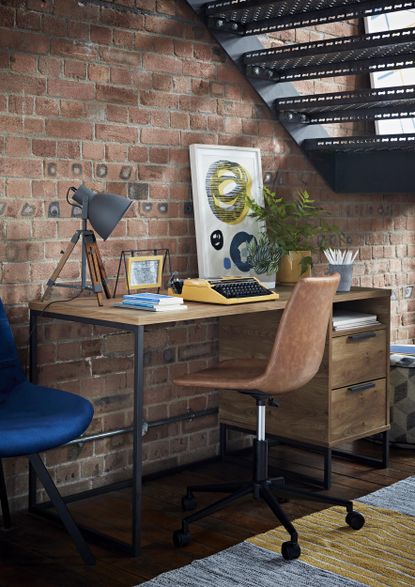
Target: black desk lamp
point(103, 211)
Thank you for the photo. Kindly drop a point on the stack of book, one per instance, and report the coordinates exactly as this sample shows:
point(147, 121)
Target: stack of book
point(344, 320)
point(152, 302)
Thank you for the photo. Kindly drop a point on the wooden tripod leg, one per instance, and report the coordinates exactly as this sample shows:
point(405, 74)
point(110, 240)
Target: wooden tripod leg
point(94, 271)
point(52, 280)
point(103, 273)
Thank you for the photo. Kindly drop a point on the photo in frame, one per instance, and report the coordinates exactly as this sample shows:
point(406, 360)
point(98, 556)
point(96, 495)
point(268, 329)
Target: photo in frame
point(144, 272)
point(222, 178)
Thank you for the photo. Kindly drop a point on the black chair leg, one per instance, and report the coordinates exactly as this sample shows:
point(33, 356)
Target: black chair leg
point(64, 514)
point(7, 522)
point(307, 495)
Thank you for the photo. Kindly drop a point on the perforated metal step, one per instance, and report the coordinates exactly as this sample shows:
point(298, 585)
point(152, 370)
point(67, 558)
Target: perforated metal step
point(339, 56)
point(377, 104)
point(377, 143)
point(250, 17)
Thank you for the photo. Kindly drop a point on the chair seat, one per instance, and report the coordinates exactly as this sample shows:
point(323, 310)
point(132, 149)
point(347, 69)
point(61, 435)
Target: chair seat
point(232, 374)
point(35, 418)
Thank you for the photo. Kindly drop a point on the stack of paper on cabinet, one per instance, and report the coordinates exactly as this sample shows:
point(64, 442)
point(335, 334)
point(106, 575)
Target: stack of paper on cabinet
point(344, 320)
point(152, 302)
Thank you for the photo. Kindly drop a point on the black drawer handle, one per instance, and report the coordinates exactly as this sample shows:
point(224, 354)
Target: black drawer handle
point(361, 387)
point(361, 336)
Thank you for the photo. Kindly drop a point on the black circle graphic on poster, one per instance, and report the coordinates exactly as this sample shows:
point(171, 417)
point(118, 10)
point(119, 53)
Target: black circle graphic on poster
point(236, 250)
point(216, 240)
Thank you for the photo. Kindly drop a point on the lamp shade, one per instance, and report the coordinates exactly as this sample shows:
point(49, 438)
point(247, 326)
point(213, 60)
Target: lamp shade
point(104, 211)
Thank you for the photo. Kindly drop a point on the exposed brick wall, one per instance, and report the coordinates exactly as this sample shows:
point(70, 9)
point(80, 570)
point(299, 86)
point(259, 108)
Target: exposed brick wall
point(114, 99)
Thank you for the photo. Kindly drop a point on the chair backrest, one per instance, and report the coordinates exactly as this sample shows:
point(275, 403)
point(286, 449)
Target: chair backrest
point(11, 372)
point(299, 343)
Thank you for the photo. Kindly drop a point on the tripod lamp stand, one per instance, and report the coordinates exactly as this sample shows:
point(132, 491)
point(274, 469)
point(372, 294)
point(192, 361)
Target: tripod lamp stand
point(103, 211)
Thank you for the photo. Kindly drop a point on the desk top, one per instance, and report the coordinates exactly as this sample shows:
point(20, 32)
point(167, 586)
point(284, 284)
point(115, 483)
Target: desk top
point(86, 308)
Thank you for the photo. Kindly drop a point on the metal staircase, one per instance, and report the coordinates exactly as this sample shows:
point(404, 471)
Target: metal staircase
point(372, 163)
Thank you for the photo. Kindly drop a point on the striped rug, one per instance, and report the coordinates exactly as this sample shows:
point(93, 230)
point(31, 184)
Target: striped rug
point(381, 554)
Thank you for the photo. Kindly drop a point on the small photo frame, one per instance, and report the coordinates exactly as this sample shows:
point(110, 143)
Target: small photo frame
point(144, 272)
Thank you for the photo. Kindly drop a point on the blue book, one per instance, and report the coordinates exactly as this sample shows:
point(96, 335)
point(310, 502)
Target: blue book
point(153, 298)
point(151, 307)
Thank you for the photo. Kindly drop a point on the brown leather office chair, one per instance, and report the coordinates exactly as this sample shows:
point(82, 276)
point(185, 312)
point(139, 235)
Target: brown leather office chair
point(295, 359)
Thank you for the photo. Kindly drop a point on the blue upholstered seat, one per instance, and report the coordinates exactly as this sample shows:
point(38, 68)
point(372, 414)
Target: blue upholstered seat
point(34, 418)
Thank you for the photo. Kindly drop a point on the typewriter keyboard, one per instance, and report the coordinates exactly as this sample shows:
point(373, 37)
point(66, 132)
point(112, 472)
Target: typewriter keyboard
point(240, 288)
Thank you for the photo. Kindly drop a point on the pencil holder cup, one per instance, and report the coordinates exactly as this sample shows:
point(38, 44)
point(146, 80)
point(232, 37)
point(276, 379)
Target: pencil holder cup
point(346, 274)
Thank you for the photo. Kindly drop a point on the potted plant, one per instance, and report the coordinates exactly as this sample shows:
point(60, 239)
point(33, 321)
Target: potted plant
point(297, 227)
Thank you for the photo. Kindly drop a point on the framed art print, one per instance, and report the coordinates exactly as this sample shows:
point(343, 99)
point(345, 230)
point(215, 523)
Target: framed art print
point(144, 272)
point(222, 179)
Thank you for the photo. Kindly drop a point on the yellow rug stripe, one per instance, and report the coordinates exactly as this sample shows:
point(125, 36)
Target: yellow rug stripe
point(381, 554)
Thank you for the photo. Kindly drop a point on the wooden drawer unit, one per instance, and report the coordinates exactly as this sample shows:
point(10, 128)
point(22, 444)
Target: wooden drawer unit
point(330, 409)
point(357, 357)
point(358, 409)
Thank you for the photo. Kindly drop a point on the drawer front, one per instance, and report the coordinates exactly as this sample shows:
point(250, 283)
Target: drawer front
point(358, 357)
point(358, 409)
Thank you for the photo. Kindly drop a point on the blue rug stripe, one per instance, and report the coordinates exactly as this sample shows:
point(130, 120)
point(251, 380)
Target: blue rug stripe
point(247, 565)
point(399, 497)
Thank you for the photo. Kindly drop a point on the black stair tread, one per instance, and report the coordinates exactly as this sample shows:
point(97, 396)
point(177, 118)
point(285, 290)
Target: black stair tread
point(249, 17)
point(337, 56)
point(405, 142)
point(365, 104)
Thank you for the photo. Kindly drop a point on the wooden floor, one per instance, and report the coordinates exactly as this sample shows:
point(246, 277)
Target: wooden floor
point(38, 553)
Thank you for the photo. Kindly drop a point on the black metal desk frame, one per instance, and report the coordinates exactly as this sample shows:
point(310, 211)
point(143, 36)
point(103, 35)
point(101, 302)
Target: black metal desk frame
point(133, 547)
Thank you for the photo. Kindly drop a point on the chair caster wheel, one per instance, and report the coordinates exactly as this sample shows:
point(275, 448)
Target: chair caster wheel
point(355, 520)
point(189, 503)
point(181, 538)
point(290, 550)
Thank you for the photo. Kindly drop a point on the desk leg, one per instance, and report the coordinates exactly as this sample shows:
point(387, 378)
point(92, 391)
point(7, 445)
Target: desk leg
point(137, 437)
point(33, 375)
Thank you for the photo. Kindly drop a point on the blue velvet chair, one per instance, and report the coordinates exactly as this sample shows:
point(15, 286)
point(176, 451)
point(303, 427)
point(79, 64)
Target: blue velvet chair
point(34, 419)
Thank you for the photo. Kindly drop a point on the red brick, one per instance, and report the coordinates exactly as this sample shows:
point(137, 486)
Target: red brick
point(115, 132)
point(162, 63)
point(7, 16)
point(18, 188)
point(73, 49)
point(23, 83)
point(44, 148)
point(73, 109)
point(75, 69)
point(101, 35)
point(114, 94)
point(160, 137)
point(47, 106)
point(66, 129)
point(21, 105)
point(138, 154)
point(69, 150)
point(98, 73)
point(71, 89)
point(114, 152)
point(93, 151)
point(28, 20)
point(23, 63)
point(29, 42)
point(17, 147)
point(118, 56)
point(50, 66)
point(20, 168)
point(55, 24)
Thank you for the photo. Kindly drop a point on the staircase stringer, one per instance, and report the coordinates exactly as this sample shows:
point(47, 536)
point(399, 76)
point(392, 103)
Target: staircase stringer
point(235, 46)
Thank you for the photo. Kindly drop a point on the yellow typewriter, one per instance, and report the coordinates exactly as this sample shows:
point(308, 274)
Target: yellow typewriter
point(225, 290)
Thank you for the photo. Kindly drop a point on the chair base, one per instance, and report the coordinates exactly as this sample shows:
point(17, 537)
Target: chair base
point(37, 464)
point(269, 490)
point(7, 522)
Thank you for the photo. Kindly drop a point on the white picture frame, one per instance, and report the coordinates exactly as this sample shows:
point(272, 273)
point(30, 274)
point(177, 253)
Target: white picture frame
point(221, 178)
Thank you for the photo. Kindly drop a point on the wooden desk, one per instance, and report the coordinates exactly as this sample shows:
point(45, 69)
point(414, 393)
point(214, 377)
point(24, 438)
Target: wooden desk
point(85, 310)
